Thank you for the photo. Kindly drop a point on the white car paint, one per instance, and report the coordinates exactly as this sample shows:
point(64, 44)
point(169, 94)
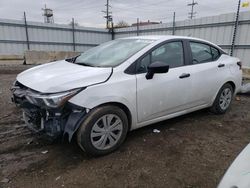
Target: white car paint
point(149, 101)
point(164, 102)
point(61, 76)
point(238, 174)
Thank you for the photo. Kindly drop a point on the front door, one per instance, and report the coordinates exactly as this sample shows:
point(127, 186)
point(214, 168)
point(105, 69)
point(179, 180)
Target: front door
point(165, 93)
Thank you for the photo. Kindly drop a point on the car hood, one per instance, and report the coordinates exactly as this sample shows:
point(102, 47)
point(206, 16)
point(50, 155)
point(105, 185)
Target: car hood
point(61, 76)
point(238, 174)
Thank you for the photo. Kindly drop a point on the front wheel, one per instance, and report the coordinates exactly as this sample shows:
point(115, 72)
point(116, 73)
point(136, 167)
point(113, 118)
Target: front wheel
point(103, 131)
point(223, 99)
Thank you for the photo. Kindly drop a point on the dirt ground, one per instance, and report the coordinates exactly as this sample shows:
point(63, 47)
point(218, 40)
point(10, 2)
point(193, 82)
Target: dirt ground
point(190, 151)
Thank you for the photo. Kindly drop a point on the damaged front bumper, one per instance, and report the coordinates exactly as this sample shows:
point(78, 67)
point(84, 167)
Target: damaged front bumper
point(53, 122)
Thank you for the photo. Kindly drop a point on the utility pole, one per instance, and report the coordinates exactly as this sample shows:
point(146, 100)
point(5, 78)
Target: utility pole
point(235, 29)
point(192, 13)
point(108, 15)
point(173, 32)
point(73, 34)
point(137, 27)
point(26, 31)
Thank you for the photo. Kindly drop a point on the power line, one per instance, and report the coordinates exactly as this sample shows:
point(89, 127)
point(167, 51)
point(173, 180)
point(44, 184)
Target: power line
point(192, 13)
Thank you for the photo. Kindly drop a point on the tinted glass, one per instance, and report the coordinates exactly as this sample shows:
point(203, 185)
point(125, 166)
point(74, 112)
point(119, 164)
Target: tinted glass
point(215, 53)
point(143, 64)
point(201, 53)
point(170, 54)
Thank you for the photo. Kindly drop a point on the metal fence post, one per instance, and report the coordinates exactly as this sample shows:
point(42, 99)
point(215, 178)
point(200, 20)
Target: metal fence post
point(235, 28)
point(173, 32)
point(26, 31)
point(112, 31)
point(137, 27)
point(73, 34)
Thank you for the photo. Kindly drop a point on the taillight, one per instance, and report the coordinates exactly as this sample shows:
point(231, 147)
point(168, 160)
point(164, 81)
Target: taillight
point(239, 64)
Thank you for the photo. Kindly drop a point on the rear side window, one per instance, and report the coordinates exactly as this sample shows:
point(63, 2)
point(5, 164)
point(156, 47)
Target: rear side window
point(203, 53)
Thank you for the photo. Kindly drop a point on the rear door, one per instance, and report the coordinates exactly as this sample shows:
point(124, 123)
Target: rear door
point(206, 73)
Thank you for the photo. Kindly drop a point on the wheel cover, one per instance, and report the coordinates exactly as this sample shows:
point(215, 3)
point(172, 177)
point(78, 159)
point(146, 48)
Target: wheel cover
point(106, 132)
point(225, 98)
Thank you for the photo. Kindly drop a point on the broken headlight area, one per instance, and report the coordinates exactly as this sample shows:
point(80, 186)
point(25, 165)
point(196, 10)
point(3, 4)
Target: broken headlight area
point(51, 114)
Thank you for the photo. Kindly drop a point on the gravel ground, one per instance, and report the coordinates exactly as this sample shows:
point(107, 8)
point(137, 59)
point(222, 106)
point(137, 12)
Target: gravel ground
point(190, 151)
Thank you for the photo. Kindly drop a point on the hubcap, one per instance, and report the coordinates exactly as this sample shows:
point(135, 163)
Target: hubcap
point(225, 98)
point(106, 132)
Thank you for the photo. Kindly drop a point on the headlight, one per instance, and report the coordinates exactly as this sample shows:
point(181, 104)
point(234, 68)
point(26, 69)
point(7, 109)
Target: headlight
point(50, 100)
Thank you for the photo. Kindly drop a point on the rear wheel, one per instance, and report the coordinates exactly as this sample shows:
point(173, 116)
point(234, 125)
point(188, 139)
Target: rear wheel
point(223, 99)
point(103, 131)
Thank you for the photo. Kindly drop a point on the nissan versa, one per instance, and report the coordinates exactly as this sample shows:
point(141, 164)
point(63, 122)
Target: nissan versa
point(123, 85)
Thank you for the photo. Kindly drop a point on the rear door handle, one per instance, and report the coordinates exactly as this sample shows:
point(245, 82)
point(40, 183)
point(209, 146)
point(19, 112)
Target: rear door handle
point(221, 65)
point(184, 75)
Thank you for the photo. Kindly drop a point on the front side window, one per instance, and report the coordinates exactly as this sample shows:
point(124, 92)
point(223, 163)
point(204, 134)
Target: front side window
point(145, 61)
point(170, 53)
point(203, 53)
point(112, 53)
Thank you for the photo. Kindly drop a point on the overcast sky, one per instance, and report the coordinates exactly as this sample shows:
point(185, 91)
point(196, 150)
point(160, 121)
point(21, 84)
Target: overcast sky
point(88, 13)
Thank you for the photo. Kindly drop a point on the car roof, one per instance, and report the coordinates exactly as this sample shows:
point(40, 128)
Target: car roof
point(163, 37)
point(168, 37)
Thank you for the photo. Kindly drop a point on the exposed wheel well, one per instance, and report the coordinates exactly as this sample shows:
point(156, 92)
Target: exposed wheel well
point(124, 108)
point(232, 84)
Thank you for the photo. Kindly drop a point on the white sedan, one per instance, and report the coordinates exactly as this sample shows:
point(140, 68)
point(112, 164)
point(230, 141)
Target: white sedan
point(123, 85)
point(238, 174)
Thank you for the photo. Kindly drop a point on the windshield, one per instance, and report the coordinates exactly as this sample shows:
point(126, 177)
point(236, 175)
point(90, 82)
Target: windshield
point(112, 53)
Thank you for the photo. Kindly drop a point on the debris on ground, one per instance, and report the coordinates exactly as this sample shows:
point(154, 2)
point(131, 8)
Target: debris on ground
point(245, 88)
point(5, 116)
point(57, 178)
point(5, 180)
point(20, 126)
point(172, 129)
point(219, 124)
point(237, 98)
point(45, 151)
point(156, 131)
point(29, 142)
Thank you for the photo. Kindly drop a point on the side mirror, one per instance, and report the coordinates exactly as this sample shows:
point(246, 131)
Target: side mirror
point(156, 67)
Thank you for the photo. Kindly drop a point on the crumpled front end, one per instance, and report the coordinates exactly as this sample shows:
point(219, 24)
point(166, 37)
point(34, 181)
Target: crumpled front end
point(53, 121)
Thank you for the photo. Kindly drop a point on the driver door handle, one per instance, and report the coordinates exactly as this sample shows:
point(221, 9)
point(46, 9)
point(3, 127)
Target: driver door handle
point(184, 75)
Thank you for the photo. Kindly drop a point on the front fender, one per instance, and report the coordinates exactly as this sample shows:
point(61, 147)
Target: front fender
point(93, 101)
point(120, 88)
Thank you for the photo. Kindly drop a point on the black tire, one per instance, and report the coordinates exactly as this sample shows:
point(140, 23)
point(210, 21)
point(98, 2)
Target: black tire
point(216, 108)
point(84, 139)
